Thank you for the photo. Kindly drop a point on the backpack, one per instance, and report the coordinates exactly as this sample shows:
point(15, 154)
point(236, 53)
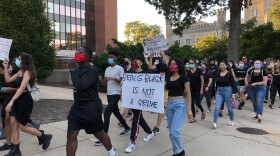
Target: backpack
point(34, 92)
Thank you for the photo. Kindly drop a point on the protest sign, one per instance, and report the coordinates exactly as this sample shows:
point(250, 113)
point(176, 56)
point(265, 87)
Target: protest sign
point(154, 44)
point(5, 45)
point(143, 92)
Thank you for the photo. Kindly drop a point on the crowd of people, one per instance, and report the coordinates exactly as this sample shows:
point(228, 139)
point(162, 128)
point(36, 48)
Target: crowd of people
point(187, 85)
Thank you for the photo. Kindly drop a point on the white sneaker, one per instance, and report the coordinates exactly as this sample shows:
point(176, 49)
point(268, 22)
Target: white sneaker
point(130, 148)
point(231, 123)
point(165, 118)
point(214, 125)
point(149, 137)
point(214, 101)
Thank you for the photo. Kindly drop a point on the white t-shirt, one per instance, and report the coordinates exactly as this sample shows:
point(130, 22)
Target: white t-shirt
point(113, 87)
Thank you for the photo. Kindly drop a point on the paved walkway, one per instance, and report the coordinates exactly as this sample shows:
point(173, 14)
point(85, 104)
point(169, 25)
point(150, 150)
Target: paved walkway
point(199, 138)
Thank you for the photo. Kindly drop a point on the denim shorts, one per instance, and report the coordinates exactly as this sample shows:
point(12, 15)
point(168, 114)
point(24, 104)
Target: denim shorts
point(241, 88)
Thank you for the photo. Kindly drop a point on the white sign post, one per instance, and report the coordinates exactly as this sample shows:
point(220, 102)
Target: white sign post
point(5, 46)
point(143, 92)
point(154, 44)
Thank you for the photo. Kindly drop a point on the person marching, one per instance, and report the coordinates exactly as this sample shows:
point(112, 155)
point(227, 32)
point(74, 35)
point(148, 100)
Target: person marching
point(240, 73)
point(275, 85)
point(113, 78)
point(207, 88)
point(269, 82)
point(86, 112)
point(196, 84)
point(225, 92)
point(160, 68)
point(255, 80)
point(138, 119)
point(177, 85)
point(21, 104)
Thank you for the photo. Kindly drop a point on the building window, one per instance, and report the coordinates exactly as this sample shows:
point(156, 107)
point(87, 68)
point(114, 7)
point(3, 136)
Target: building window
point(252, 12)
point(188, 41)
point(257, 12)
point(50, 7)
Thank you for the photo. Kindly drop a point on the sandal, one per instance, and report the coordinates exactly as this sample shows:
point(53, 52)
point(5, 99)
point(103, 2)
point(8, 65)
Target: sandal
point(203, 116)
point(192, 120)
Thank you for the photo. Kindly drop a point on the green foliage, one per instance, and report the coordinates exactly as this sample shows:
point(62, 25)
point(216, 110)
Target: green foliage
point(248, 25)
point(136, 32)
point(212, 47)
point(261, 42)
point(183, 13)
point(184, 53)
point(275, 14)
point(25, 22)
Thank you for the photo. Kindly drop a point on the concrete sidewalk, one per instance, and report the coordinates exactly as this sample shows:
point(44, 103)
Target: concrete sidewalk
point(199, 138)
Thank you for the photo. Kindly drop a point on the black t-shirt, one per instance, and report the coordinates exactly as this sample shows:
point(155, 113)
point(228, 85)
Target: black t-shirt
point(226, 81)
point(256, 77)
point(214, 70)
point(130, 70)
point(85, 87)
point(177, 87)
point(207, 75)
point(276, 79)
point(240, 73)
point(195, 81)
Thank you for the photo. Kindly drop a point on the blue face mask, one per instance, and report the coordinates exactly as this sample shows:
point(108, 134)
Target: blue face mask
point(191, 66)
point(257, 66)
point(18, 63)
point(111, 61)
point(241, 65)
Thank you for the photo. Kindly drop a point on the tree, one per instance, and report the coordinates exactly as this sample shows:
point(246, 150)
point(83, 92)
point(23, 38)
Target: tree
point(25, 22)
point(136, 32)
point(261, 42)
point(182, 13)
point(184, 53)
point(212, 47)
point(275, 14)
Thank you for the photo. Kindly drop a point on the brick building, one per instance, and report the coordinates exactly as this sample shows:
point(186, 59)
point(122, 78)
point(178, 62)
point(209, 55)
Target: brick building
point(259, 9)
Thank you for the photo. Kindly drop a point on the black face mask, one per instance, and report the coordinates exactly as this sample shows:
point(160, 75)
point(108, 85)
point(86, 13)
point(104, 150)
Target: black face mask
point(269, 69)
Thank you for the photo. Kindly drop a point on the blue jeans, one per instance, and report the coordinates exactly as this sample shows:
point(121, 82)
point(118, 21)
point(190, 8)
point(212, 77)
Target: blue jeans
point(176, 113)
point(223, 94)
point(257, 95)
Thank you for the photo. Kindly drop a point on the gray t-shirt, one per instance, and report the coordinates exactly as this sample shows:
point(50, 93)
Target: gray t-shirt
point(113, 87)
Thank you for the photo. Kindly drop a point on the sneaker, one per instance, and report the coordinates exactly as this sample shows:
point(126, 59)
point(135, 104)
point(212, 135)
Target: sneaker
point(259, 119)
point(98, 143)
point(5, 147)
point(125, 132)
point(46, 141)
point(165, 118)
point(221, 114)
point(214, 125)
point(156, 130)
point(214, 101)
point(149, 137)
point(130, 148)
point(40, 139)
point(196, 110)
point(265, 101)
point(208, 110)
point(116, 154)
point(271, 106)
point(231, 123)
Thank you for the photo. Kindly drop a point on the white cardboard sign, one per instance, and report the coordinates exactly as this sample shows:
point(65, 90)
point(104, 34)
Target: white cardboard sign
point(143, 92)
point(154, 44)
point(5, 46)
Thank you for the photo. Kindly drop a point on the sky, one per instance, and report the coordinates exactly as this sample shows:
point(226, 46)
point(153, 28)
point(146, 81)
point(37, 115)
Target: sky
point(139, 10)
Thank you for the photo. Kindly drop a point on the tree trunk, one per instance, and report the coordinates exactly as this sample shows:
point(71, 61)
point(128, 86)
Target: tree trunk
point(234, 29)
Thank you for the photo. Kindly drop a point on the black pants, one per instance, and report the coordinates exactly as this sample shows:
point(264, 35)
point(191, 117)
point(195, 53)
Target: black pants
point(195, 94)
point(113, 108)
point(273, 92)
point(137, 121)
point(267, 90)
point(213, 92)
point(207, 95)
